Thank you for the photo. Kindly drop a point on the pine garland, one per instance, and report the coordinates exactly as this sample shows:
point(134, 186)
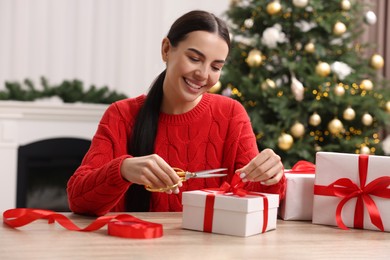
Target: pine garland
point(69, 91)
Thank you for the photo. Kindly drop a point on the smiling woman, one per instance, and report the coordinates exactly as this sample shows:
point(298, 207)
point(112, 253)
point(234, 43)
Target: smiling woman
point(178, 124)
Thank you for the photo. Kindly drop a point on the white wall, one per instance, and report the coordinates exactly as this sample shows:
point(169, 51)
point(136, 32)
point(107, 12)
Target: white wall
point(102, 42)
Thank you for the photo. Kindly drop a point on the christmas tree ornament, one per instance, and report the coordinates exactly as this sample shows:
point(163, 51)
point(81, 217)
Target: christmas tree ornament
point(366, 84)
point(345, 5)
point(370, 18)
point(297, 130)
point(274, 7)
point(285, 141)
point(300, 3)
point(339, 90)
point(216, 87)
point(364, 150)
point(227, 92)
point(315, 119)
point(297, 88)
point(248, 23)
point(349, 114)
point(323, 69)
point(310, 47)
point(268, 83)
point(341, 69)
point(388, 106)
point(335, 126)
point(377, 61)
point(339, 28)
point(367, 119)
point(254, 58)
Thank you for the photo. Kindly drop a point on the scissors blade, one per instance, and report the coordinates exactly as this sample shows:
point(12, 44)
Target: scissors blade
point(206, 174)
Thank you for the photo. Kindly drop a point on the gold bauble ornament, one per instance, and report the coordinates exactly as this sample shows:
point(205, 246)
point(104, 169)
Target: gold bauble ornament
point(268, 83)
point(335, 126)
point(349, 114)
point(300, 3)
point(339, 28)
point(366, 84)
point(285, 141)
point(364, 150)
point(310, 47)
point(323, 69)
point(315, 119)
point(274, 7)
point(377, 61)
point(388, 106)
point(254, 58)
point(345, 5)
point(297, 130)
point(367, 119)
point(339, 90)
point(216, 87)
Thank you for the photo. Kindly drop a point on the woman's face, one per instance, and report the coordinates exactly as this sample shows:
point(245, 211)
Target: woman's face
point(193, 67)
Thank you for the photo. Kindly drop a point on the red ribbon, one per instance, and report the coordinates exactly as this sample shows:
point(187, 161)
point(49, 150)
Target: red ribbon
point(122, 225)
point(302, 167)
point(346, 189)
point(236, 188)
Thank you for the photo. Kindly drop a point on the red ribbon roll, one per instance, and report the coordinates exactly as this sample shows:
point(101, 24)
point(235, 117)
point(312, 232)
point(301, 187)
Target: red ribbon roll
point(122, 225)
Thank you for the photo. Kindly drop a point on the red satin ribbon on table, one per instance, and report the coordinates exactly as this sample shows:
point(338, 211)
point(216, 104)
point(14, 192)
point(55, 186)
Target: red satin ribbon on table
point(346, 189)
point(302, 167)
point(121, 225)
point(236, 188)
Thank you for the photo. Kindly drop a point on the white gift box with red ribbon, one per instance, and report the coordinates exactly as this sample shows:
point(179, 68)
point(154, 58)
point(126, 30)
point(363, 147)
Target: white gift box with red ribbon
point(352, 190)
point(229, 214)
point(298, 201)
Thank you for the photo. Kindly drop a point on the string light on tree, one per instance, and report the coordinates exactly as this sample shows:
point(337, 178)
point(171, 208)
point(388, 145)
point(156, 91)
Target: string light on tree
point(377, 61)
point(254, 58)
point(285, 141)
point(274, 7)
point(315, 119)
point(349, 114)
point(335, 126)
point(367, 119)
point(323, 69)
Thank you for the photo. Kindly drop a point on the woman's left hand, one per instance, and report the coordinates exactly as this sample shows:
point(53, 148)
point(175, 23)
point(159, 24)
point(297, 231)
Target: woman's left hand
point(266, 167)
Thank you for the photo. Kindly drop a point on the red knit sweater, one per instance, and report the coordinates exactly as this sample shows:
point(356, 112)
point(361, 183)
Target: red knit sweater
point(216, 133)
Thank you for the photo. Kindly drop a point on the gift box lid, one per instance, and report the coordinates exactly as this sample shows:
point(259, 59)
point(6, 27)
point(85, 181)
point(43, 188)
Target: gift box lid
point(230, 202)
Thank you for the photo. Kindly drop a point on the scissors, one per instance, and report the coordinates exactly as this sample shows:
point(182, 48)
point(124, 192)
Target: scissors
point(186, 175)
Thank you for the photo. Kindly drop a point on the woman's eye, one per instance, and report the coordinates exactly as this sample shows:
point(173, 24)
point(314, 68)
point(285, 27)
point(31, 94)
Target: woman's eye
point(216, 68)
point(193, 58)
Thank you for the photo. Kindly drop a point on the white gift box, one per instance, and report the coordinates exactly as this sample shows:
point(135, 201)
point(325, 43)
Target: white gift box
point(331, 167)
point(232, 215)
point(298, 202)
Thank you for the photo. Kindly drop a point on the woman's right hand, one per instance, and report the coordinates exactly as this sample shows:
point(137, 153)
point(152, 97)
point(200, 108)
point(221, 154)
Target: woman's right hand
point(150, 170)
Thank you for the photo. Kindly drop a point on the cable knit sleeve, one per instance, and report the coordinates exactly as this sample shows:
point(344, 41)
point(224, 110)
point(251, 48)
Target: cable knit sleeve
point(247, 149)
point(97, 185)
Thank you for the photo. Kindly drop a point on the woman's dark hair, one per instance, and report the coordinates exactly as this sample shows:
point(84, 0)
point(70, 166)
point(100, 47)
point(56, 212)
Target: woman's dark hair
point(145, 128)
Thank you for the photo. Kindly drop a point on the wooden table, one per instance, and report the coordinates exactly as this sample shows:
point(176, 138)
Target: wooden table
point(291, 240)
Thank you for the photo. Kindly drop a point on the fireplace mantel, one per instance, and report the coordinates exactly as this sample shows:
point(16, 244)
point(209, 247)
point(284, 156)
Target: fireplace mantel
point(22, 123)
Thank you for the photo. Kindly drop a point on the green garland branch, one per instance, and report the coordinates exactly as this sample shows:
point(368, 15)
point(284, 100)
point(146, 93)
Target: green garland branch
point(68, 91)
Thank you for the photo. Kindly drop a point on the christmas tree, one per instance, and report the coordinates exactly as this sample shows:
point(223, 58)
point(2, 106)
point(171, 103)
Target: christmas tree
point(306, 81)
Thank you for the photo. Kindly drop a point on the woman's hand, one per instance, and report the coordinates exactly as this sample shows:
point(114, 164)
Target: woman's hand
point(150, 170)
point(266, 167)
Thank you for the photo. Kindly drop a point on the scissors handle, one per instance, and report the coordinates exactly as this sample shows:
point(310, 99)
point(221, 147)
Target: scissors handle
point(181, 173)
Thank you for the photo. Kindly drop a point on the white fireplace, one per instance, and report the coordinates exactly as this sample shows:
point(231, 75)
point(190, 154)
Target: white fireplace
point(22, 123)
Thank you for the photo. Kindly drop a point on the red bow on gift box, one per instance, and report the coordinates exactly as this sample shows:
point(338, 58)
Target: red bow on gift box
point(302, 167)
point(235, 188)
point(346, 189)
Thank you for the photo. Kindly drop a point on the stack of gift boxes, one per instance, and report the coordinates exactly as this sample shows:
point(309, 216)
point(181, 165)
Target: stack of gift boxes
point(344, 190)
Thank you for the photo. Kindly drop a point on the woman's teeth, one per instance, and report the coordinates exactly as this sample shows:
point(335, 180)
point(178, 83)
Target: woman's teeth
point(192, 85)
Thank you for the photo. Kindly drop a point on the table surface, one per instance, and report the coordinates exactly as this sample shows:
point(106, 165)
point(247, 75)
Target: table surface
point(290, 240)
